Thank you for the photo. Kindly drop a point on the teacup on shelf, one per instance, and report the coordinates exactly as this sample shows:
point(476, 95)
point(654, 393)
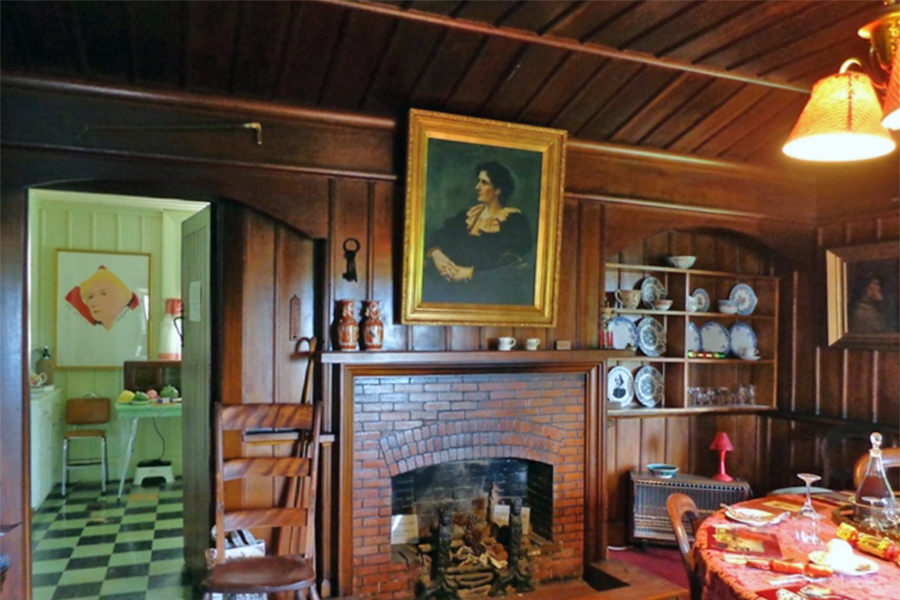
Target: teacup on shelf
point(662, 304)
point(727, 307)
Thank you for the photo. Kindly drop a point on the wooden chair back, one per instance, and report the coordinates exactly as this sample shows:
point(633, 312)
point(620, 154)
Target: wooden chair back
point(87, 411)
point(292, 430)
point(681, 508)
point(890, 458)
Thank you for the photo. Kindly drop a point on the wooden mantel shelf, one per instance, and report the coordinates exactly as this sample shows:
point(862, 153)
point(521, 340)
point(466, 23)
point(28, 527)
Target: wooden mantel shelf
point(490, 359)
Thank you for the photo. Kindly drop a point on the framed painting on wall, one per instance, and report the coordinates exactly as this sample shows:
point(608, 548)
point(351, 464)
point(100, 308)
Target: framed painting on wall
point(864, 295)
point(483, 221)
point(102, 308)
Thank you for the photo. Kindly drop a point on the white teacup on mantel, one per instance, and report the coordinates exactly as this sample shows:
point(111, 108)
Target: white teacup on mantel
point(506, 343)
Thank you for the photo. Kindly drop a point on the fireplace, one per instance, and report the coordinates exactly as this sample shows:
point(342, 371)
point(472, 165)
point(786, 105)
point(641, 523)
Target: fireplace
point(499, 437)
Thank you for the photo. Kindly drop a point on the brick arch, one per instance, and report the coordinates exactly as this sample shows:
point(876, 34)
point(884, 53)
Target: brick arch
point(472, 439)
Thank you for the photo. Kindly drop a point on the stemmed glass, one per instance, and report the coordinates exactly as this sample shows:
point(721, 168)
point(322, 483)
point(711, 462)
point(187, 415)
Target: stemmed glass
point(807, 519)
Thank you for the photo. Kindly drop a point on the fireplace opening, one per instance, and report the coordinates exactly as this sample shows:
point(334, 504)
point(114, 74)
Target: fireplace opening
point(495, 514)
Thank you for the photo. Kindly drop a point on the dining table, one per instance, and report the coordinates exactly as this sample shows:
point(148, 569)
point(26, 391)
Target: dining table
point(722, 544)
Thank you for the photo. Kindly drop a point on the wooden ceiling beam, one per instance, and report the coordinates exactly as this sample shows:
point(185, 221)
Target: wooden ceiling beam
point(562, 43)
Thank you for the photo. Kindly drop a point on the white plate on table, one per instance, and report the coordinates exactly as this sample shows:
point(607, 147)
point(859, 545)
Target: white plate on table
point(744, 298)
point(652, 290)
point(620, 385)
point(714, 337)
point(753, 517)
point(649, 386)
point(859, 565)
point(651, 337)
point(624, 332)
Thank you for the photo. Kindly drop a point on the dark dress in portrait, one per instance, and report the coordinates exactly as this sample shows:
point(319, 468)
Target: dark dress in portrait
point(503, 261)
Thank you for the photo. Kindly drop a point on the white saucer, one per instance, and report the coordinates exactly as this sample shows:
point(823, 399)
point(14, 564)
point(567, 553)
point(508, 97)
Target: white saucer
point(858, 566)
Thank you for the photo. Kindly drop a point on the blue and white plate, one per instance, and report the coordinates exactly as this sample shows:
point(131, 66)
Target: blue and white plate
point(620, 385)
point(624, 333)
point(652, 290)
point(649, 386)
point(651, 337)
point(702, 300)
point(693, 338)
point(743, 336)
point(744, 298)
point(714, 337)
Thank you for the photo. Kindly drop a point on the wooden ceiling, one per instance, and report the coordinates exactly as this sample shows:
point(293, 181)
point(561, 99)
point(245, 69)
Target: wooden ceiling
point(716, 79)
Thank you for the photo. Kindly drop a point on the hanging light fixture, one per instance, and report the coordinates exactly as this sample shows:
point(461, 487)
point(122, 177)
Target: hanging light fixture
point(841, 121)
point(892, 97)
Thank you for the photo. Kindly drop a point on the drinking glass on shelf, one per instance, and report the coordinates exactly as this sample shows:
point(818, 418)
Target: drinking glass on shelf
point(806, 521)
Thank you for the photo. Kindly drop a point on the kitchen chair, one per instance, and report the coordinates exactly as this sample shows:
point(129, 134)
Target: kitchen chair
point(682, 507)
point(281, 426)
point(80, 412)
point(890, 458)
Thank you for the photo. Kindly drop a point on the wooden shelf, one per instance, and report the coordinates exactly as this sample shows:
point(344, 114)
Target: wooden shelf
point(641, 412)
point(682, 373)
point(492, 357)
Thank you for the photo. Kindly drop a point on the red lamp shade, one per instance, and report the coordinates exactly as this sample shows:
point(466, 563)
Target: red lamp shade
point(722, 444)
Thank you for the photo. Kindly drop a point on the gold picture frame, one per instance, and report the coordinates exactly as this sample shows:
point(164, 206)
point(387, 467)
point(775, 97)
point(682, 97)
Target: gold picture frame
point(474, 252)
point(863, 286)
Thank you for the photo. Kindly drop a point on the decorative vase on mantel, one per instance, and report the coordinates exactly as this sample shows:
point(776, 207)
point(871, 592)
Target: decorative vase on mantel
point(372, 327)
point(346, 329)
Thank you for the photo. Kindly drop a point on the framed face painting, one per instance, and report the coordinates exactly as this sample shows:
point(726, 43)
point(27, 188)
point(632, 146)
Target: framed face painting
point(102, 308)
point(483, 221)
point(864, 295)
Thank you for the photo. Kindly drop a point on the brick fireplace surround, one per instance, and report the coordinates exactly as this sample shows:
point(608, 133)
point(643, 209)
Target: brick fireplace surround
point(408, 417)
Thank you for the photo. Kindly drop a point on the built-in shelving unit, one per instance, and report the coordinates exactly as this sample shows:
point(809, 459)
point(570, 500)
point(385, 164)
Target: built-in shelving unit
point(681, 372)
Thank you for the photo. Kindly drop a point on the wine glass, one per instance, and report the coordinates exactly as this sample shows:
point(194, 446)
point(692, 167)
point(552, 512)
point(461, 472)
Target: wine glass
point(807, 519)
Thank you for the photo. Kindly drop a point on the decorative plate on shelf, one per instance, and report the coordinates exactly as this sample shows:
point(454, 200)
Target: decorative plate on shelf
point(620, 385)
point(744, 298)
point(648, 386)
point(714, 337)
point(652, 290)
point(693, 338)
point(651, 337)
point(624, 332)
point(702, 300)
point(743, 336)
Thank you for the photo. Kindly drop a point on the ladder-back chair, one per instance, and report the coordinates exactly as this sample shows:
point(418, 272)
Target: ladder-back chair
point(292, 566)
point(80, 412)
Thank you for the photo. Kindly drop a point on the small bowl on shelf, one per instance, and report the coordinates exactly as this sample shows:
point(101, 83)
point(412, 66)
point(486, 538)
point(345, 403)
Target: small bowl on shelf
point(681, 262)
point(727, 307)
point(662, 304)
point(662, 470)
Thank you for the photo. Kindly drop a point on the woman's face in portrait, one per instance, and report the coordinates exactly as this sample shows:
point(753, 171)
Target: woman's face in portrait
point(873, 291)
point(105, 300)
point(487, 193)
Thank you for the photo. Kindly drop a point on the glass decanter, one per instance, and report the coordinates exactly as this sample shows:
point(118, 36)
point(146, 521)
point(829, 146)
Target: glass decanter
point(874, 496)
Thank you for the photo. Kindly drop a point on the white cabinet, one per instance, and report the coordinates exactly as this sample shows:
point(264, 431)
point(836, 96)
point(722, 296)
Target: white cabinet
point(46, 443)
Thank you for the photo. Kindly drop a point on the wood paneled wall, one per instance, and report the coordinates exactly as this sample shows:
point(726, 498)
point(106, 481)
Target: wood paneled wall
point(331, 177)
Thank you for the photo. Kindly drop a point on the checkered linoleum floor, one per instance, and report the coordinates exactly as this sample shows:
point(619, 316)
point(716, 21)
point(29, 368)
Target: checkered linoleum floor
point(87, 545)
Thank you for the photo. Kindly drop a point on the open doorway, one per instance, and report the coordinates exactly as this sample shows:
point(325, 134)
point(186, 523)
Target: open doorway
point(90, 542)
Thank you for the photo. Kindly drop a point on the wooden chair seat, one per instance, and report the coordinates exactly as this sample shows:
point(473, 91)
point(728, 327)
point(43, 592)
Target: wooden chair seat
point(84, 433)
point(264, 574)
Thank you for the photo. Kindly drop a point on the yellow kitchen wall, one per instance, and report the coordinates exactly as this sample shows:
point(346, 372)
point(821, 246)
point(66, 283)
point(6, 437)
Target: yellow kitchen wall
point(77, 221)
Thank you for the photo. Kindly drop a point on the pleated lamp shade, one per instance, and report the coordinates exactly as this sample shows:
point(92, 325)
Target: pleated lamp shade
point(841, 121)
point(892, 96)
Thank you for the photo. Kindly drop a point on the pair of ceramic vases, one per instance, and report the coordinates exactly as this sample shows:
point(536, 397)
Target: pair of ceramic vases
point(347, 329)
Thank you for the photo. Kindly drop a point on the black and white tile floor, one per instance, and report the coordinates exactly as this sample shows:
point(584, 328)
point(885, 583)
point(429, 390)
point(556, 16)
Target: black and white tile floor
point(88, 546)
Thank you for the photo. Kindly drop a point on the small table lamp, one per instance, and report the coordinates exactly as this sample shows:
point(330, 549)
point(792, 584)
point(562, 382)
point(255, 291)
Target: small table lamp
point(723, 445)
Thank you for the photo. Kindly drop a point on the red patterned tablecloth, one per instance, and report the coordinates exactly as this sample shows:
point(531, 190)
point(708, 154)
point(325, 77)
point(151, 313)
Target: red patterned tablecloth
point(726, 581)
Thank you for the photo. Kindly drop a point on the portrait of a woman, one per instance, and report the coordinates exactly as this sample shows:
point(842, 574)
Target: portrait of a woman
point(483, 254)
